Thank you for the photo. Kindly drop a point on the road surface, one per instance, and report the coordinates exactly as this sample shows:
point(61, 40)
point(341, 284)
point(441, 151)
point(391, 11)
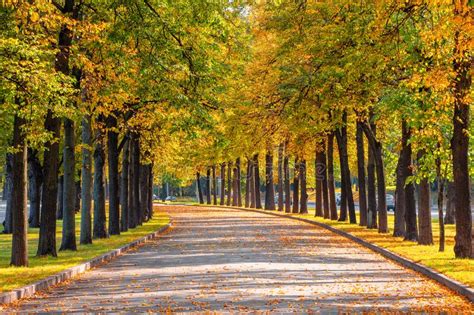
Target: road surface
point(227, 260)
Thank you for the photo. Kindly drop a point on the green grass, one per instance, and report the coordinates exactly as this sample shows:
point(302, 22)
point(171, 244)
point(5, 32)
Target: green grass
point(445, 262)
point(428, 255)
point(41, 267)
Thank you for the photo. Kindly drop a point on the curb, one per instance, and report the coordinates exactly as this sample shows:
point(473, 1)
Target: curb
point(30, 290)
point(454, 285)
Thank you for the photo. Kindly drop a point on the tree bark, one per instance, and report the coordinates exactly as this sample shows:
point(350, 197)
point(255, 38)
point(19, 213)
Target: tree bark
point(222, 201)
point(331, 184)
point(379, 167)
point(7, 224)
point(59, 200)
point(229, 184)
point(99, 228)
point(280, 177)
point(248, 184)
point(214, 185)
point(124, 215)
point(199, 188)
point(304, 194)
point(19, 256)
point(35, 175)
point(371, 195)
point(450, 204)
point(269, 188)
point(235, 191)
point(460, 141)
point(258, 200)
point(239, 183)
point(86, 182)
point(441, 183)
point(425, 233)
point(144, 192)
point(150, 191)
point(68, 241)
point(135, 165)
point(113, 156)
point(402, 172)
point(346, 187)
point(319, 168)
point(49, 194)
point(252, 185)
point(411, 233)
point(132, 212)
point(286, 171)
point(208, 186)
point(361, 175)
point(296, 192)
point(47, 234)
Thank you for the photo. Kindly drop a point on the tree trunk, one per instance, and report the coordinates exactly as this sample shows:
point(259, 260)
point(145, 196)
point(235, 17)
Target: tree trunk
point(235, 191)
point(19, 256)
point(124, 215)
point(143, 193)
point(331, 184)
point(346, 191)
point(269, 188)
point(252, 185)
point(198, 183)
point(100, 229)
point(361, 175)
point(450, 204)
point(68, 241)
point(280, 177)
point(86, 182)
point(411, 233)
point(49, 194)
point(286, 171)
point(402, 168)
point(239, 183)
point(35, 174)
point(150, 191)
point(258, 200)
point(7, 224)
point(371, 195)
point(208, 186)
point(460, 142)
point(229, 184)
point(381, 202)
point(325, 187)
point(319, 170)
point(135, 164)
point(296, 193)
point(59, 199)
point(248, 184)
point(47, 234)
point(77, 196)
point(113, 161)
point(441, 182)
point(425, 234)
point(222, 201)
point(214, 185)
point(132, 213)
point(304, 194)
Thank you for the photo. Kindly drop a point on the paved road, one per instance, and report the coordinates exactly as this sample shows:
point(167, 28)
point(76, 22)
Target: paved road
point(231, 260)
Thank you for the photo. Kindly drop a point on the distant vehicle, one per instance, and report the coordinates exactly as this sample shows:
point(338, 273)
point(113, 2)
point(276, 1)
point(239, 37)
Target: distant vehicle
point(338, 199)
point(390, 200)
point(156, 197)
point(284, 199)
point(170, 198)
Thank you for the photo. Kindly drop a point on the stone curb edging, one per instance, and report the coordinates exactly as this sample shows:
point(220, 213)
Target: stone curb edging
point(30, 290)
point(454, 285)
